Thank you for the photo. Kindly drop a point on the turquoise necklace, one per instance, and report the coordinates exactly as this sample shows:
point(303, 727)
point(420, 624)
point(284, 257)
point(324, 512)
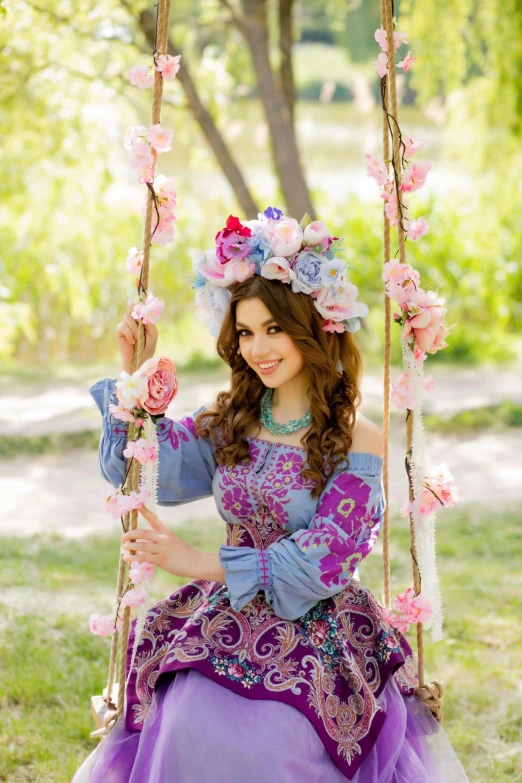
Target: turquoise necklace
point(268, 422)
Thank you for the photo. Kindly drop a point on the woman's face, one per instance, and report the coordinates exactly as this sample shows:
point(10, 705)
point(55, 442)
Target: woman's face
point(263, 342)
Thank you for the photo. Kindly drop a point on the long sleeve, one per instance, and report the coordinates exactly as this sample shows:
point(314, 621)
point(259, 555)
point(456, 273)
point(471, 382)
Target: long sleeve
point(318, 561)
point(186, 461)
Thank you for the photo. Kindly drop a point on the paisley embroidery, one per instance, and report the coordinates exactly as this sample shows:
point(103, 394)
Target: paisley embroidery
point(333, 662)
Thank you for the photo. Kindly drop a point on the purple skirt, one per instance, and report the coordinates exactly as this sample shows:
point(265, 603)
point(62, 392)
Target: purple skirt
point(197, 731)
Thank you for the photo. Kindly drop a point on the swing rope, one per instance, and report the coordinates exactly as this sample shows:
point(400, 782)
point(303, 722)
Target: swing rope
point(431, 693)
point(120, 639)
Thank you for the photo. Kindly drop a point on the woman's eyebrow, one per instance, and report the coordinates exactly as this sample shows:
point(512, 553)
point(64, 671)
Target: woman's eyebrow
point(265, 323)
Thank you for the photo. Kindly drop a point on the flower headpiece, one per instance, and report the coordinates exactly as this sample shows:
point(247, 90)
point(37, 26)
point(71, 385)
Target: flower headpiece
point(277, 247)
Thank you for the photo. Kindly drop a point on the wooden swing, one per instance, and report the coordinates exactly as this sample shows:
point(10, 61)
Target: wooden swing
point(107, 708)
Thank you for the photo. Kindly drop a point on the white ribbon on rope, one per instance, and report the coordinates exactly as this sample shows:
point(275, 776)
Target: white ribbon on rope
point(423, 526)
point(148, 480)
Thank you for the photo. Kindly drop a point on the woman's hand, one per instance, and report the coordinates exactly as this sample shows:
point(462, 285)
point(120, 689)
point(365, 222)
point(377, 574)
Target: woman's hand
point(159, 546)
point(127, 337)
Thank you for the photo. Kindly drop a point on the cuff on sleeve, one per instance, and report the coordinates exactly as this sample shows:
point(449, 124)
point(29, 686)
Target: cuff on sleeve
point(242, 569)
point(104, 393)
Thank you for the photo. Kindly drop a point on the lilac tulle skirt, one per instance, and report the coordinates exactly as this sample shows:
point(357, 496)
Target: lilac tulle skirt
point(197, 731)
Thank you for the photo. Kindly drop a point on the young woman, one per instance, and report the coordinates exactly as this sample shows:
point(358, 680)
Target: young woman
point(273, 663)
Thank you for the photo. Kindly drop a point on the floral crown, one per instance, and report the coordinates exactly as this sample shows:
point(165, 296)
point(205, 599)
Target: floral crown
point(277, 247)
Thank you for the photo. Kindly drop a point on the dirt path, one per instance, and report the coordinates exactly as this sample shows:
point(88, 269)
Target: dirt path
point(65, 493)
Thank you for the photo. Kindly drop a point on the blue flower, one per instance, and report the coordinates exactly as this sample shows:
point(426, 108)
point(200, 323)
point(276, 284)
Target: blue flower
point(260, 249)
point(198, 281)
point(308, 272)
point(273, 213)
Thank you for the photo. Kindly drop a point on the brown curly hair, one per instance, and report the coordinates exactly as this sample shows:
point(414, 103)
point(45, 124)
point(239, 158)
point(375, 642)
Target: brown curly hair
point(334, 398)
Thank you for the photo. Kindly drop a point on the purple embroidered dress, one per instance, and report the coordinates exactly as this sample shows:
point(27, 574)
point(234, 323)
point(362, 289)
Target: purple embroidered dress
point(287, 672)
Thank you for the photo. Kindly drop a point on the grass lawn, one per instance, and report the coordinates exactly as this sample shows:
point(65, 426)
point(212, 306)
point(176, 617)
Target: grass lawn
point(50, 664)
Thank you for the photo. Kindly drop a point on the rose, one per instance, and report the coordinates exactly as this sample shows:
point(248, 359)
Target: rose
point(278, 268)
point(285, 236)
point(307, 268)
point(236, 670)
point(315, 232)
point(427, 329)
point(337, 302)
point(162, 384)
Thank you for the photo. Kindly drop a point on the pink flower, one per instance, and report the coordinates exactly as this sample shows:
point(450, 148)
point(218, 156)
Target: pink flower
point(236, 670)
point(332, 326)
point(136, 134)
point(414, 177)
point(134, 598)
point(160, 139)
point(407, 62)
point(230, 241)
point(146, 174)
point(140, 572)
point(420, 609)
point(140, 156)
point(401, 623)
point(242, 268)
point(411, 146)
point(442, 483)
point(141, 76)
point(376, 169)
point(428, 504)
point(168, 65)
point(208, 264)
point(120, 412)
point(427, 329)
point(417, 229)
point(401, 393)
point(428, 383)
point(315, 233)
point(103, 626)
point(338, 302)
point(134, 261)
point(381, 37)
point(150, 311)
point(285, 236)
point(112, 505)
point(165, 191)
point(162, 384)
point(134, 500)
point(381, 64)
point(278, 268)
point(395, 272)
point(401, 602)
point(142, 451)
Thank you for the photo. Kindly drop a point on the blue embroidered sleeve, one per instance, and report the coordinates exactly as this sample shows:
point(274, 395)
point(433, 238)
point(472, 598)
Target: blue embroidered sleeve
point(318, 561)
point(186, 462)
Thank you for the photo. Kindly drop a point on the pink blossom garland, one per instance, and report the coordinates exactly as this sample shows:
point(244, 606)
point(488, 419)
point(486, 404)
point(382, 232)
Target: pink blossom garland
point(408, 609)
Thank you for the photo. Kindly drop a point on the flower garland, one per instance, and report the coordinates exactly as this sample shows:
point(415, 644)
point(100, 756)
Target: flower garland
point(146, 393)
point(423, 331)
point(303, 255)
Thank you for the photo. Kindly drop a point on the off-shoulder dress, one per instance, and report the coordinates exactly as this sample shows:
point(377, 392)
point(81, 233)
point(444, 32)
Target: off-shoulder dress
point(287, 672)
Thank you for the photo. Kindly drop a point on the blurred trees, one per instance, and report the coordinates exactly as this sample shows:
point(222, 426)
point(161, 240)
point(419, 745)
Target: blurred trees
point(69, 208)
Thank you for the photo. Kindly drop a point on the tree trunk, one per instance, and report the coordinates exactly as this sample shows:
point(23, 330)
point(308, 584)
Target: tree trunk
point(230, 169)
point(286, 70)
point(285, 153)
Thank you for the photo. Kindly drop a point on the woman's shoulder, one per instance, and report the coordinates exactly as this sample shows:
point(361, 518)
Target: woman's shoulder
point(366, 436)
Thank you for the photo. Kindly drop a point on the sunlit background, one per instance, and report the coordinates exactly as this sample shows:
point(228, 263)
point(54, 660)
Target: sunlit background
point(70, 209)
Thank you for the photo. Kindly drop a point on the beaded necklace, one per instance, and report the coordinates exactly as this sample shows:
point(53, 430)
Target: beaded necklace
point(272, 426)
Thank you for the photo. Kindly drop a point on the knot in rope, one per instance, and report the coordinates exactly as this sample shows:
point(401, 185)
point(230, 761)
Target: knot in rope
point(432, 694)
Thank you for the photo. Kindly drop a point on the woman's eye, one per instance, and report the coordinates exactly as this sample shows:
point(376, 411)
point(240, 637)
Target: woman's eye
point(242, 331)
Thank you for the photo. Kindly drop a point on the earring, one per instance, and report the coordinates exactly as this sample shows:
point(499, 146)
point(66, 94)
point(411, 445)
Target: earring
point(239, 351)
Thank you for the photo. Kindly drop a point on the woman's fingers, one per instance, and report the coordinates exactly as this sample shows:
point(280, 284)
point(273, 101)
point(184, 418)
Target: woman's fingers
point(124, 330)
point(140, 546)
point(153, 519)
point(132, 535)
point(131, 323)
